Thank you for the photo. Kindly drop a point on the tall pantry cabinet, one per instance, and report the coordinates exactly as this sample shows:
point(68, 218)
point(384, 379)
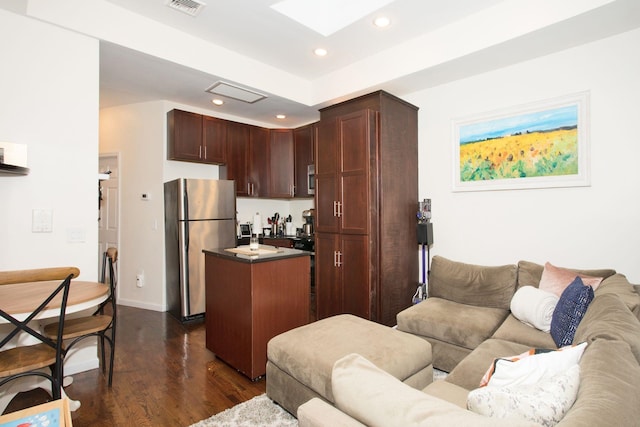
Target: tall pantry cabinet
point(366, 200)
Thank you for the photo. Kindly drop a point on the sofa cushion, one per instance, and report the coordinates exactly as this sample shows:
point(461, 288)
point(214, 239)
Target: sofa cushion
point(459, 324)
point(557, 279)
point(530, 273)
point(544, 402)
point(619, 285)
point(447, 391)
point(472, 368)
point(515, 331)
point(472, 284)
point(609, 392)
point(376, 398)
point(609, 318)
point(569, 312)
point(532, 366)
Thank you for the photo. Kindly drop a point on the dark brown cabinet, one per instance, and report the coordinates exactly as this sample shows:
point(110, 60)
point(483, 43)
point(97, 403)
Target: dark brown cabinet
point(238, 160)
point(214, 139)
point(366, 199)
point(281, 163)
point(195, 138)
point(303, 148)
point(259, 165)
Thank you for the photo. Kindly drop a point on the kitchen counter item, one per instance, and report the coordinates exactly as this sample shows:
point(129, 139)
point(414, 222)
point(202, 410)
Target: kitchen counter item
point(282, 253)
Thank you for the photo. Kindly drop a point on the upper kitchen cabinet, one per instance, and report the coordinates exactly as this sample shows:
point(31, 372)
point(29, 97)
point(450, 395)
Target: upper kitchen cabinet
point(238, 157)
point(193, 137)
point(281, 163)
point(365, 202)
point(259, 162)
point(303, 146)
point(214, 139)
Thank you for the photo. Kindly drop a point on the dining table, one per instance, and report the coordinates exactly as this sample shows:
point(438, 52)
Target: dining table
point(20, 300)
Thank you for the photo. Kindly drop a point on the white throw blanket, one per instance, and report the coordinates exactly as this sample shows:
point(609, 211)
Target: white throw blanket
point(534, 307)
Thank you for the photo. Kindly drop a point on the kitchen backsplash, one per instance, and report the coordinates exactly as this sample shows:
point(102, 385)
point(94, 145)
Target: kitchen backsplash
point(247, 208)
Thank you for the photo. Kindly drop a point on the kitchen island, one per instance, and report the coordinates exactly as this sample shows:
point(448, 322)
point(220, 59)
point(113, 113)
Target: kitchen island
point(252, 298)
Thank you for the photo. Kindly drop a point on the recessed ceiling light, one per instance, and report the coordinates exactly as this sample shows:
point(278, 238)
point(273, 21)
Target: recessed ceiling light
point(320, 52)
point(381, 22)
point(217, 101)
point(280, 116)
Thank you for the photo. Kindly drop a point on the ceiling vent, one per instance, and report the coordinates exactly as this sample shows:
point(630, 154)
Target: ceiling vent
point(236, 92)
point(190, 7)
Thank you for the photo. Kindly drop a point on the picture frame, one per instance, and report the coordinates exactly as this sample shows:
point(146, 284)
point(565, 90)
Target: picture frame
point(538, 145)
point(55, 413)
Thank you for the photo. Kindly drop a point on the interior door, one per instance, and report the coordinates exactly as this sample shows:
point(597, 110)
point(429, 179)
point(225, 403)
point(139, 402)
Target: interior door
point(108, 206)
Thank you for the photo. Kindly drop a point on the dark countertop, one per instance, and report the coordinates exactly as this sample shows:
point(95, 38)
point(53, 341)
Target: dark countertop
point(274, 256)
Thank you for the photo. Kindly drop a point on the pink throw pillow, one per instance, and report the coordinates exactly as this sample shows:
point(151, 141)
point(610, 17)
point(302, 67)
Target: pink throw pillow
point(557, 279)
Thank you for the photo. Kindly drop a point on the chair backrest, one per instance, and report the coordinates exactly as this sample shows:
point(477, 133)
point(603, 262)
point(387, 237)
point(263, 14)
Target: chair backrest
point(23, 325)
point(37, 275)
point(109, 259)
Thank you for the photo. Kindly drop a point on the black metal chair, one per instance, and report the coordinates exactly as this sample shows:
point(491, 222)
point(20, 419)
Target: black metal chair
point(22, 361)
point(100, 324)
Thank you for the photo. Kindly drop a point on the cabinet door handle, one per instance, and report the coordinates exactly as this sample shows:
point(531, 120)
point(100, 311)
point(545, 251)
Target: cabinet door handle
point(339, 257)
point(200, 152)
point(205, 152)
point(339, 209)
point(335, 208)
point(248, 188)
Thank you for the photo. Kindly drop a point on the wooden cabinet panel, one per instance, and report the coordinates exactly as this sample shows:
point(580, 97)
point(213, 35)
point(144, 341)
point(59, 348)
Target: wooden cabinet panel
point(327, 180)
point(259, 165)
point(184, 136)
point(214, 139)
point(342, 275)
point(281, 163)
point(356, 134)
point(238, 156)
point(328, 283)
point(356, 292)
point(303, 147)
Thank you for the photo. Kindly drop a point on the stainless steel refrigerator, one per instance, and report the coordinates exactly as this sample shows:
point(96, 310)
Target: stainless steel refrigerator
point(199, 214)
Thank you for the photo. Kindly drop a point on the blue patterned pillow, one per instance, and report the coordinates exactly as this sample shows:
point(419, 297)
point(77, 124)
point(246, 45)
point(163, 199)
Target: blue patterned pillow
point(569, 312)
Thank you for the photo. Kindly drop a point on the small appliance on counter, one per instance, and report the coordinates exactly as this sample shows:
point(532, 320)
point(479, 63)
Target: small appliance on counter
point(307, 227)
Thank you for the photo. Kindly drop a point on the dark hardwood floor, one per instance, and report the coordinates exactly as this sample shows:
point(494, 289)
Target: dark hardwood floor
point(163, 376)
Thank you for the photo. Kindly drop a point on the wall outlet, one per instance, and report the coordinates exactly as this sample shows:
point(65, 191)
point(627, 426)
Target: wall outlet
point(140, 280)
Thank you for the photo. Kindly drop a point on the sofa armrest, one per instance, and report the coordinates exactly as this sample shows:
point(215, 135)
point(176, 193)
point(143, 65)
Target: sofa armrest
point(318, 413)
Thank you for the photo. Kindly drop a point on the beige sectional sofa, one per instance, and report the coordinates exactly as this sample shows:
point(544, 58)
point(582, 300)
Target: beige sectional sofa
point(468, 322)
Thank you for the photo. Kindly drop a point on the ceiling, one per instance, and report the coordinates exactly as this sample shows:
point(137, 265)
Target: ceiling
point(428, 42)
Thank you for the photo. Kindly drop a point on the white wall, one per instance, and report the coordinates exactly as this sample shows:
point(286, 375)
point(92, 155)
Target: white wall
point(49, 101)
point(138, 133)
point(587, 227)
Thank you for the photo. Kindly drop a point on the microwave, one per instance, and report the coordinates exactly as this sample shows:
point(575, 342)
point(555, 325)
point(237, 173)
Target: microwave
point(311, 179)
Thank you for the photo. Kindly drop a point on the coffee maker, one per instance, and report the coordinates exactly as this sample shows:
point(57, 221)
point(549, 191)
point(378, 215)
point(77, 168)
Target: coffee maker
point(307, 227)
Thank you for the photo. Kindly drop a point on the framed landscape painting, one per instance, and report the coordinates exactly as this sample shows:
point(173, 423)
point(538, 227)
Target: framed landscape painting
point(545, 144)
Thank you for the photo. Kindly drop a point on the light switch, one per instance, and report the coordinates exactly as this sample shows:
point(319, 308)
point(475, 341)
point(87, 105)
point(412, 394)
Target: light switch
point(76, 235)
point(42, 221)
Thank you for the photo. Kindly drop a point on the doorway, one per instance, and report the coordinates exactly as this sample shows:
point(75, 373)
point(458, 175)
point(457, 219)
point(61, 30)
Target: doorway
point(108, 205)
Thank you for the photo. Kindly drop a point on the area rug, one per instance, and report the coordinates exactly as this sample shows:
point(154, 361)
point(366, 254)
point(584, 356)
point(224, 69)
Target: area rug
point(257, 412)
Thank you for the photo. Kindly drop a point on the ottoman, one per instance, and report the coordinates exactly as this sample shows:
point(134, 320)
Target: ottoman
point(300, 361)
